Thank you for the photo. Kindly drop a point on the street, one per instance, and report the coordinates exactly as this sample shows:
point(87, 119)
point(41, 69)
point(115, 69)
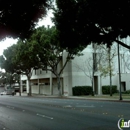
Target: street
point(31, 113)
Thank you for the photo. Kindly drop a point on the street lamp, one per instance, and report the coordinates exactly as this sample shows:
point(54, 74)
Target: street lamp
point(120, 98)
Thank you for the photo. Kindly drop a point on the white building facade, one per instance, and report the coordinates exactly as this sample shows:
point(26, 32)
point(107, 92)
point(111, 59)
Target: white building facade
point(78, 72)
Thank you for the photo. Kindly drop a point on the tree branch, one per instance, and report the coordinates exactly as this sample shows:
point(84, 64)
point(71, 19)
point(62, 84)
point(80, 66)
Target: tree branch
point(122, 44)
point(67, 59)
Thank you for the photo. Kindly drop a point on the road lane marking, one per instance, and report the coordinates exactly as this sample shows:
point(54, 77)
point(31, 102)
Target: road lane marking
point(67, 106)
point(10, 107)
point(44, 116)
point(85, 106)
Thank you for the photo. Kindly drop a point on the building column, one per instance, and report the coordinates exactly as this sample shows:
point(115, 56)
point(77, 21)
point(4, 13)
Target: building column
point(67, 80)
point(100, 85)
point(21, 85)
point(27, 86)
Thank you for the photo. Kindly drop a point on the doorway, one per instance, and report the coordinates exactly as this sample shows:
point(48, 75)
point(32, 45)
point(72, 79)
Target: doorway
point(96, 84)
point(123, 86)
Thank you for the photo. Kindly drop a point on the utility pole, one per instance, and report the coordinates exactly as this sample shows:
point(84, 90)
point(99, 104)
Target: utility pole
point(120, 98)
point(110, 74)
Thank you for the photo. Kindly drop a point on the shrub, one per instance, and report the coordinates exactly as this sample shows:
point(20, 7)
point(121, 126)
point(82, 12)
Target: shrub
point(126, 92)
point(106, 89)
point(82, 90)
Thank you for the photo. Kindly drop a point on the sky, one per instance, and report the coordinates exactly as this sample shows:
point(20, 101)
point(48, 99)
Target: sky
point(10, 41)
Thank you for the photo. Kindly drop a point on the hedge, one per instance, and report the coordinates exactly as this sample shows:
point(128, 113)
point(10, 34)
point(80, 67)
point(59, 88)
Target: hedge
point(82, 90)
point(126, 92)
point(106, 89)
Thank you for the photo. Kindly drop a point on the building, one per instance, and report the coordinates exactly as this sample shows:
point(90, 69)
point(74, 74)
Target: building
point(78, 72)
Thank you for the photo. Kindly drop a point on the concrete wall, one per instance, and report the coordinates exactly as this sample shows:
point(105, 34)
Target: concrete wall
point(45, 89)
point(55, 86)
point(125, 78)
point(35, 89)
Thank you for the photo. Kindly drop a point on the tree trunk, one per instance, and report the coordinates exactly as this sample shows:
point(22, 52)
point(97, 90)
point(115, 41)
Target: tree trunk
point(110, 83)
point(29, 94)
point(58, 84)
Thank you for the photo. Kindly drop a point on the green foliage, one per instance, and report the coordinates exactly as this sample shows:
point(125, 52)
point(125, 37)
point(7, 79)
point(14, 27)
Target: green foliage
point(18, 18)
point(47, 46)
point(8, 78)
point(106, 66)
point(91, 21)
point(82, 90)
point(2, 59)
point(25, 56)
point(126, 92)
point(105, 70)
point(6, 60)
point(106, 89)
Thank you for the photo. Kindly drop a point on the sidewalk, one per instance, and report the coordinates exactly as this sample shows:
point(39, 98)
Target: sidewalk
point(98, 98)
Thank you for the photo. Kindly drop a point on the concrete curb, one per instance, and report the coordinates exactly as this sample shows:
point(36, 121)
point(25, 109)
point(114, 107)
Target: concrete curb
point(74, 97)
point(102, 99)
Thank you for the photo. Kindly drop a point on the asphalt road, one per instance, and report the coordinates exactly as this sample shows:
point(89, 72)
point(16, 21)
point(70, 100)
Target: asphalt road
point(29, 113)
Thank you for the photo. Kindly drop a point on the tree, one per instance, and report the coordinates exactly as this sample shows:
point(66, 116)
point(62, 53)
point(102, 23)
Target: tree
point(50, 52)
point(6, 62)
point(18, 18)
point(92, 21)
point(26, 60)
point(7, 78)
point(2, 78)
point(106, 65)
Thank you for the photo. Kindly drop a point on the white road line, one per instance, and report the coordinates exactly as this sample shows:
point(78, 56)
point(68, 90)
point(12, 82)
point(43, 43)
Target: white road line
point(10, 107)
point(67, 106)
point(44, 116)
point(85, 106)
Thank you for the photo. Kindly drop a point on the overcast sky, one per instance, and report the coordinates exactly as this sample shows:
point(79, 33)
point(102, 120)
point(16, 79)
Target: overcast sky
point(8, 41)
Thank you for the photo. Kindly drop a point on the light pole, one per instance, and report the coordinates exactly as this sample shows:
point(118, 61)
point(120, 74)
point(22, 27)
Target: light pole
point(120, 98)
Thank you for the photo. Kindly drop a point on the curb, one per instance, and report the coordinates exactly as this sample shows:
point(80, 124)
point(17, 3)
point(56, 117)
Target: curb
point(79, 98)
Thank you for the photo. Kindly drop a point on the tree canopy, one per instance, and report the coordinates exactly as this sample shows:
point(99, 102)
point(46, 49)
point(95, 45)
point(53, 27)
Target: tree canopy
point(85, 21)
point(6, 59)
point(49, 51)
point(19, 17)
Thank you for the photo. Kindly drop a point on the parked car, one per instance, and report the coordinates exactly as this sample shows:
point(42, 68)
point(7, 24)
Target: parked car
point(3, 93)
point(8, 92)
